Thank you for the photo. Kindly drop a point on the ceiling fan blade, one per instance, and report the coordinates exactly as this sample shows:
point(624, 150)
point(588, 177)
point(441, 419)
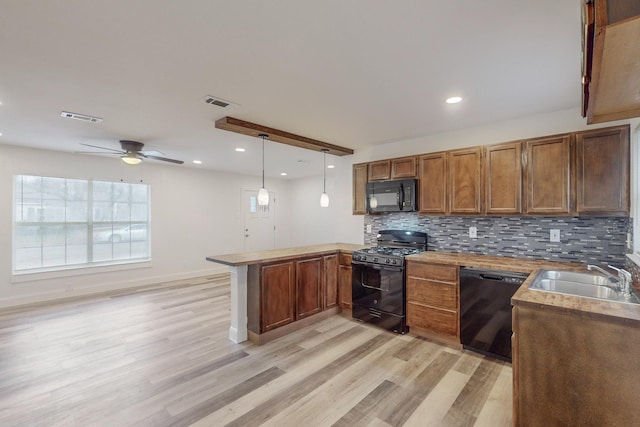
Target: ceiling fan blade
point(103, 148)
point(164, 159)
point(93, 152)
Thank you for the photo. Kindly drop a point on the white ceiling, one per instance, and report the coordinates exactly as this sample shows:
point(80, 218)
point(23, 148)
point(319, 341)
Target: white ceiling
point(352, 73)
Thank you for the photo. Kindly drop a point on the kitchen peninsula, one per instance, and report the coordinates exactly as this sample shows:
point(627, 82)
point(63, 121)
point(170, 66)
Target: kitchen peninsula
point(303, 282)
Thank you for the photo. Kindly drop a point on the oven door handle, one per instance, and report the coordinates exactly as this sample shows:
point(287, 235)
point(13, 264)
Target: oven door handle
point(373, 287)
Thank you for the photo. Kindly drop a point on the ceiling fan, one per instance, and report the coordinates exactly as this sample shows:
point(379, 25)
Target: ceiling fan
point(131, 152)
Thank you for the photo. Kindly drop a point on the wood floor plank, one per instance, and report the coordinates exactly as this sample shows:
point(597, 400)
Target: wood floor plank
point(160, 356)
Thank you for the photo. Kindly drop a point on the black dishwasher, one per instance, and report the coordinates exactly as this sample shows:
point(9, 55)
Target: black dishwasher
point(485, 310)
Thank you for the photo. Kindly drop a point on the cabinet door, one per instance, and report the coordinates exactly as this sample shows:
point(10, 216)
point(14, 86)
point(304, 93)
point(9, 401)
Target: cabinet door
point(277, 295)
point(464, 180)
point(404, 168)
point(360, 189)
point(432, 172)
point(308, 287)
point(379, 171)
point(547, 171)
point(602, 171)
point(344, 280)
point(330, 281)
point(503, 178)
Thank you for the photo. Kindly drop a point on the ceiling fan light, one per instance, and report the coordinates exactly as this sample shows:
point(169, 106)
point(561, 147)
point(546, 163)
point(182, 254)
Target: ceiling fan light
point(131, 159)
point(263, 197)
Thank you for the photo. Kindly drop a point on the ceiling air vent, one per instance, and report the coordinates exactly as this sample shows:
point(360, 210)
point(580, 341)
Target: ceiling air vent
point(82, 117)
point(219, 102)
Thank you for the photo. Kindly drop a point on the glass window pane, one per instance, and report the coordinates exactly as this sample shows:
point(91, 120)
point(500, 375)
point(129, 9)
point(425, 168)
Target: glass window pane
point(121, 212)
point(77, 190)
point(139, 212)
point(101, 191)
point(53, 188)
point(57, 219)
point(76, 211)
point(102, 211)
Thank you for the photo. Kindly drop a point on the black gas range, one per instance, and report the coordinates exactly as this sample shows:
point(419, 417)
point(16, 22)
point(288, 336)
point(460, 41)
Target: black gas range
point(378, 278)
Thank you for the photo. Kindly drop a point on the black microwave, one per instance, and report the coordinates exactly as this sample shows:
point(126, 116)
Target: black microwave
point(392, 196)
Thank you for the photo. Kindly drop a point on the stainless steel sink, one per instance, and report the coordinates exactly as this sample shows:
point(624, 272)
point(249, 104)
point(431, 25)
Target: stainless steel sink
point(580, 284)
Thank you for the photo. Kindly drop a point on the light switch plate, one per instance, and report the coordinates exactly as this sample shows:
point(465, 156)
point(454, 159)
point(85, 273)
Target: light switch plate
point(369, 228)
point(473, 232)
point(554, 235)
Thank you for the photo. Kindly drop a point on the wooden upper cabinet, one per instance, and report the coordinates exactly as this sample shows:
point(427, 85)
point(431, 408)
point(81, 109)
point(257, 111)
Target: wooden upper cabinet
point(547, 175)
point(308, 287)
point(464, 181)
point(379, 171)
point(611, 70)
point(602, 171)
point(360, 189)
point(330, 280)
point(503, 178)
point(432, 172)
point(277, 295)
point(405, 167)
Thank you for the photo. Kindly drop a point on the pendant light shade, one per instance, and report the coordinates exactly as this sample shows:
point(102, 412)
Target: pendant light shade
point(263, 194)
point(324, 197)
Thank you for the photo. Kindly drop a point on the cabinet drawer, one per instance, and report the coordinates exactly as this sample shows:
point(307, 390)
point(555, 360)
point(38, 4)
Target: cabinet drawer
point(432, 319)
point(445, 273)
point(438, 294)
point(345, 259)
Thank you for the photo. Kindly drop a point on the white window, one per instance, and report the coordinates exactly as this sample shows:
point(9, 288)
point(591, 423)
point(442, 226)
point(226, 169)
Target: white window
point(64, 223)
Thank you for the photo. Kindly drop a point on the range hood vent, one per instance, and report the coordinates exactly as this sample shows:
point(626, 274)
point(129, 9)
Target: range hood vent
point(219, 102)
point(82, 117)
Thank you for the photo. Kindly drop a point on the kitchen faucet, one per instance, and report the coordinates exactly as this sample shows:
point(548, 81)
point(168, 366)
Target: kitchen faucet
point(623, 279)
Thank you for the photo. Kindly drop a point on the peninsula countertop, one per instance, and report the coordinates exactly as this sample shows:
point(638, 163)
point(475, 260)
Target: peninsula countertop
point(258, 257)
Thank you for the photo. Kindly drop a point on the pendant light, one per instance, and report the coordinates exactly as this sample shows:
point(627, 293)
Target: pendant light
point(324, 197)
point(263, 194)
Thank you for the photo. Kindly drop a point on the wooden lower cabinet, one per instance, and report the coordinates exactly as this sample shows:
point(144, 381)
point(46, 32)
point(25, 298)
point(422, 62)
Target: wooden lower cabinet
point(433, 296)
point(573, 369)
point(308, 287)
point(277, 295)
point(344, 281)
point(330, 280)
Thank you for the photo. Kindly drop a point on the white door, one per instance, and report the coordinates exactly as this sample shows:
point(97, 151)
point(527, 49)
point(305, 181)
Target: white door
point(259, 222)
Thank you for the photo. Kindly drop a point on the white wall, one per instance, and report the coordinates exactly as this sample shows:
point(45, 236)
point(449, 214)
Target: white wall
point(194, 213)
point(311, 224)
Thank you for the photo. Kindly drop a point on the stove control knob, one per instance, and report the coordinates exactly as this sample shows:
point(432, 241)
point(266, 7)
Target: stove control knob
point(375, 260)
point(388, 261)
point(395, 261)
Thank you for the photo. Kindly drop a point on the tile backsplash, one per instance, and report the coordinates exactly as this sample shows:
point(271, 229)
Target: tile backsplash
point(595, 240)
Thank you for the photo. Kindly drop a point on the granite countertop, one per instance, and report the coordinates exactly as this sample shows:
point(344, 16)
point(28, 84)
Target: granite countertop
point(247, 258)
point(589, 307)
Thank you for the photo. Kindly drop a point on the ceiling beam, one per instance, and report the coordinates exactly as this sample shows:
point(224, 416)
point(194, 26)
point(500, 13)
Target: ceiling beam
point(252, 129)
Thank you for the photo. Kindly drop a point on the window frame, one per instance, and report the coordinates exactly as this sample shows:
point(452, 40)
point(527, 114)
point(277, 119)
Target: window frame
point(90, 225)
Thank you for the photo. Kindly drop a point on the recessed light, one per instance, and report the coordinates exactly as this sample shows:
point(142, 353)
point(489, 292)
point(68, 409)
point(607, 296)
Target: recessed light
point(240, 150)
point(197, 162)
point(0, 134)
point(330, 166)
point(453, 100)
point(283, 173)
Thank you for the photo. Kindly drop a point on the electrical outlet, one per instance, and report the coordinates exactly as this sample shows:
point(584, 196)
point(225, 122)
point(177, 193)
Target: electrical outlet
point(629, 241)
point(369, 228)
point(554, 235)
point(473, 232)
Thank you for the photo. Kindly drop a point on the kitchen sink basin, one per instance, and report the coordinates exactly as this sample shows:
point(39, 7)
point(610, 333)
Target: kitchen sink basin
point(580, 284)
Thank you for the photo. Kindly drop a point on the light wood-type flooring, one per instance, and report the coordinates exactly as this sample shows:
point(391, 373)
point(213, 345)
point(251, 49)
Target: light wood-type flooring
point(160, 356)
